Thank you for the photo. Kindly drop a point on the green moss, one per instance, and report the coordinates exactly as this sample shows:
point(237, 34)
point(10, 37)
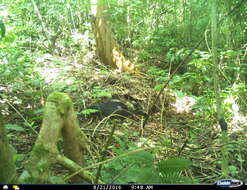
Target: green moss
point(40, 151)
point(62, 100)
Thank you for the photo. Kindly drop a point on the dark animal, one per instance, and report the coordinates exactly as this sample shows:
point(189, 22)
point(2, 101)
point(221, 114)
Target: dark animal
point(223, 124)
point(110, 107)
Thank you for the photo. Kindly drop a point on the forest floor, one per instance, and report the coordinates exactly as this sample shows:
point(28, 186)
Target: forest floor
point(172, 123)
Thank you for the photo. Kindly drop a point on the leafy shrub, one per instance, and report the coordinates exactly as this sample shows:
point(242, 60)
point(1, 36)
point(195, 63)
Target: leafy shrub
point(141, 167)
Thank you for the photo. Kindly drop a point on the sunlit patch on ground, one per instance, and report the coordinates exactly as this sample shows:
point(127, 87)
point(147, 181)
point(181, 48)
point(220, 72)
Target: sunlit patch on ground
point(184, 104)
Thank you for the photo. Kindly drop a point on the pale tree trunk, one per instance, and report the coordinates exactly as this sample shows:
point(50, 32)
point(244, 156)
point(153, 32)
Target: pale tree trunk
point(106, 46)
point(220, 115)
point(229, 25)
point(59, 121)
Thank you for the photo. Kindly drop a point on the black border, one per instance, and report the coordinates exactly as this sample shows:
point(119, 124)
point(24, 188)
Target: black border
point(116, 187)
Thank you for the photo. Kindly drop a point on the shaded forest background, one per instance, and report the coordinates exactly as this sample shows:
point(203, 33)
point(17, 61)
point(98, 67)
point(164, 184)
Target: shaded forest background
point(50, 46)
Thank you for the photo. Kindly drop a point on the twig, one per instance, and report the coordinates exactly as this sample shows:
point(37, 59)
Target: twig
point(45, 31)
point(28, 124)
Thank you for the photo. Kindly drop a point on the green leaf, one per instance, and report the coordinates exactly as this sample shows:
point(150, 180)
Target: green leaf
point(233, 169)
point(130, 175)
point(98, 92)
point(39, 111)
point(142, 157)
point(166, 143)
point(173, 165)
point(116, 164)
point(88, 111)
point(102, 94)
point(149, 175)
point(14, 127)
point(158, 87)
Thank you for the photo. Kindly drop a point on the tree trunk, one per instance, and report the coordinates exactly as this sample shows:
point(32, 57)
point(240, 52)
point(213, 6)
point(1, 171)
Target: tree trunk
point(7, 165)
point(59, 120)
point(106, 46)
point(229, 26)
point(220, 116)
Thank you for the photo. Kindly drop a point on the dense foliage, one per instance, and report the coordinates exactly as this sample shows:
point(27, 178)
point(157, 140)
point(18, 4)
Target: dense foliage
point(55, 36)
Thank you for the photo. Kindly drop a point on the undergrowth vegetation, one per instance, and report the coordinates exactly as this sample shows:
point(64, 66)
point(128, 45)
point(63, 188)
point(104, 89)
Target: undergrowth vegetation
point(53, 49)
